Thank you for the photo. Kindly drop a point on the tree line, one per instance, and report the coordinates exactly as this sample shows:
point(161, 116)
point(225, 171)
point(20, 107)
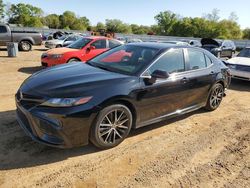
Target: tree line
point(167, 23)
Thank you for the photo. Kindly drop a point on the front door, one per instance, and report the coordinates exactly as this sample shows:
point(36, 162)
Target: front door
point(165, 96)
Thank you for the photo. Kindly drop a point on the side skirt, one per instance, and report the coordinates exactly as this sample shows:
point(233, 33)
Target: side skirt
point(171, 115)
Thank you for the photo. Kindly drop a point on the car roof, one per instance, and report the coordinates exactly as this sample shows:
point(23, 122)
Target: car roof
point(157, 45)
point(95, 37)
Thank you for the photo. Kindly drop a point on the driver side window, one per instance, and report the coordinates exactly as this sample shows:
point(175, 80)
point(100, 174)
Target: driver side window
point(171, 62)
point(99, 44)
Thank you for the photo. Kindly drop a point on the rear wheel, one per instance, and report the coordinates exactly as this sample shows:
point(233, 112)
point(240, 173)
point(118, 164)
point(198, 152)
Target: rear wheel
point(111, 127)
point(25, 46)
point(215, 97)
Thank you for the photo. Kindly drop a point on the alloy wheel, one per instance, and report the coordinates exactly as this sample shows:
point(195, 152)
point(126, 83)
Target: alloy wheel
point(216, 96)
point(114, 126)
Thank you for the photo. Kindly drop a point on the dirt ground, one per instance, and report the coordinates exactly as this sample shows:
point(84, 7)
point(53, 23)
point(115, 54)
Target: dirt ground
point(200, 149)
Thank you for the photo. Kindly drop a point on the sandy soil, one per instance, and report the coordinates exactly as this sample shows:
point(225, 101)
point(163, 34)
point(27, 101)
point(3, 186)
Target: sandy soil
point(201, 149)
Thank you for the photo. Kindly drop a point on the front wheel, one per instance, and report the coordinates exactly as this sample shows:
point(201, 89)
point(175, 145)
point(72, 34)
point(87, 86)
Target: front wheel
point(215, 97)
point(111, 127)
point(25, 46)
point(73, 60)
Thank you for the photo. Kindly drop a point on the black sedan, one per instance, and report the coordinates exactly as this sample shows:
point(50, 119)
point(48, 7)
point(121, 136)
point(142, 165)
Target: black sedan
point(126, 87)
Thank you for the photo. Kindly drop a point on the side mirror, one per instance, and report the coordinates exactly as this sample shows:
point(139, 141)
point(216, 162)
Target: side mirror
point(160, 74)
point(151, 79)
point(90, 48)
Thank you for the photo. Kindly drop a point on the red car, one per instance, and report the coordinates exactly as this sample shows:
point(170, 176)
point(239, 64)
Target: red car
point(81, 50)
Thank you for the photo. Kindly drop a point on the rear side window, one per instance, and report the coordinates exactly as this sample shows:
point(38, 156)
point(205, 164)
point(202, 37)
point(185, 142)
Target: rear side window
point(196, 59)
point(99, 44)
point(171, 62)
point(208, 61)
point(3, 29)
point(113, 43)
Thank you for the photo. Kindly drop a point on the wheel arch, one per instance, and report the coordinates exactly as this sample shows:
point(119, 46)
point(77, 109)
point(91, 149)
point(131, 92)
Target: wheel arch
point(73, 58)
point(124, 101)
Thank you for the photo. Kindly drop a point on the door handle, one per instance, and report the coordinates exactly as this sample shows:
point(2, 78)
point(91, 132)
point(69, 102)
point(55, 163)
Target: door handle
point(212, 72)
point(184, 80)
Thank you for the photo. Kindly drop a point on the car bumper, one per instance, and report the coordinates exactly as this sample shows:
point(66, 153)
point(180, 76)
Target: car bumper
point(50, 46)
point(242, 75)
point(48, 62)
point(56, 130)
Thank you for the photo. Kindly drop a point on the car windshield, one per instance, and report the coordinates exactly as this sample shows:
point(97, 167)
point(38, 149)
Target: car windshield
point(80, 43)
point(244, 53)
point(62, 37)
point(126, 59)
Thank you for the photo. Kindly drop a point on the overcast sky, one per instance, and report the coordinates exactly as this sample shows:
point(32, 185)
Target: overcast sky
point(143, 11)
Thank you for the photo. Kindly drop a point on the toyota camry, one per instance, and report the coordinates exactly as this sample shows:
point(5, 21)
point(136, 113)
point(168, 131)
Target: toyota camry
point(127, 87)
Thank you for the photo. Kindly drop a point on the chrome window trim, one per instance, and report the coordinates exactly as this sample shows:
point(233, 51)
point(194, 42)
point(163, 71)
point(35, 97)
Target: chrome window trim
point(178, 73)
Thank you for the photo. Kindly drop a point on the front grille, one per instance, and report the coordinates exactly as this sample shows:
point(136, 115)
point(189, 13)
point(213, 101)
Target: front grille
point(244, 68)
point(24, 120)
point(28, 101)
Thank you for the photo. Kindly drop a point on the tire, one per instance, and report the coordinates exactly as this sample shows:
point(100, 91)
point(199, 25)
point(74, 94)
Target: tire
point(73, 60)
point(111, 126)
point(58, 46)
point(25, 46)
point(215, 97)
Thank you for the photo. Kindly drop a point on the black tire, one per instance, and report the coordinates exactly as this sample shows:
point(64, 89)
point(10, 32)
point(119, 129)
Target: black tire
point(58, 46)
point(109, 130)
point(25, 46)
point(73, 60)
point(215, 97)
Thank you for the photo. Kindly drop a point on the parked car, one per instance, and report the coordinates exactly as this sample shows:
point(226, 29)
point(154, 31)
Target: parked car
point(240, 65)
point(179, 43)
point(25, 39)
point(64, 40)
point(219, 48)
point(194, 43)
point(133, 40)
point(81, 50)
point(101, 100)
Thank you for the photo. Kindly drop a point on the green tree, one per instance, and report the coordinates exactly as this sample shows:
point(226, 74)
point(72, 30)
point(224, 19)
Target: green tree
point(100, 26)
point(67, 19)
point(2, 6)
point(52, 21)
point(117, 26)
point(139, 30)
point(213, 16)
point(246, 33)
point(25, 14)
point(229, 29)
point(165, 21)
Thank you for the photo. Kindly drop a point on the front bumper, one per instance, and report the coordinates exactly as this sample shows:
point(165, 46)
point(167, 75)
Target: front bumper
point(49, 62)
point(54, 129)
point(242, 75)
point(50, 46)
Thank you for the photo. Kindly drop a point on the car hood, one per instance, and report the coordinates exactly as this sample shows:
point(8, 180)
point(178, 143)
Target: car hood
point(239, 61)
point(208, 41)
point(70, 80)
point(60, 50)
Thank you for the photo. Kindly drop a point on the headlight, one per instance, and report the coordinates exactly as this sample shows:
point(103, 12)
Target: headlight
point(44, 55)
point(66, 102)
point(56, 56)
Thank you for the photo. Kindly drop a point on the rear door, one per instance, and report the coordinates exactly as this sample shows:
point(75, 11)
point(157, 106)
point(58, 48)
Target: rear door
point(200, 76)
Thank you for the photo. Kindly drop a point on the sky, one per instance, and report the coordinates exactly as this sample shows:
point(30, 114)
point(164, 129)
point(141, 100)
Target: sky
point(142, 12)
